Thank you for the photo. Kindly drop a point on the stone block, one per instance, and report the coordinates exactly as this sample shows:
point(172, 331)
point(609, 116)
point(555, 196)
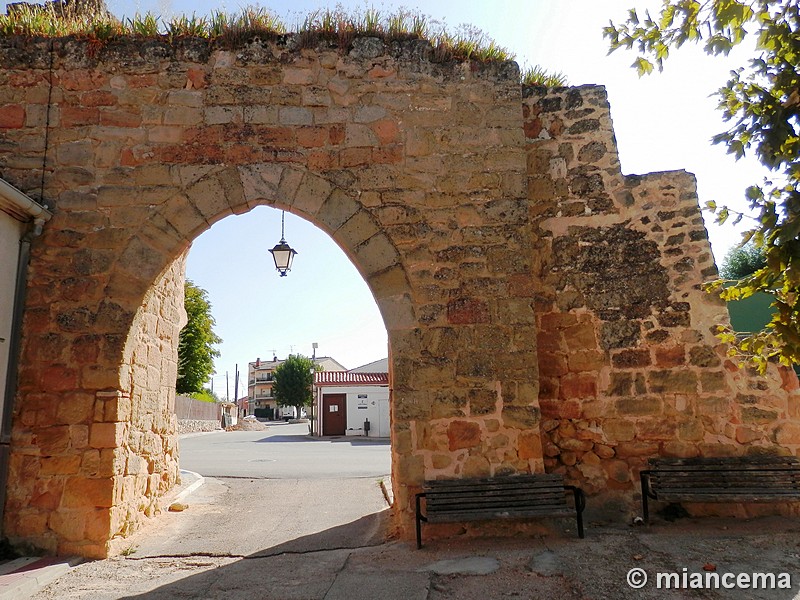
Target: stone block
point(746, 435)
point(98, 525)
point(574, 445)
point(75, 408)
point(69, 524)
point(691, 430)
point(639, 406)
point(81, 493)
point(529, 445)
point(619, 334)
point(578, 386)
point(520, 417)
point(617, 470)
point(312, 137)
point(620, 385)
point(618, 430)
point(704, 356)
point(672, 356)
point(482, 402)
point(46, 494)
point(631, 359)
point(713, 381)
point(463, 434)
point(674, 381)
point(295, 115)
point(637, 449)
point(466, 311)
point(755, 415)
point(656, 429)
point(61, 465)
point(788, 433)
point(338, 208)
point(311, 194)
point(681, 449)
point(52, 440)
point(183, 116)
point(587, 360)
point(581, 337)
point(441, 461)
point(12, 116)
point(106, 435)
point(476, 466)
point(411, 469)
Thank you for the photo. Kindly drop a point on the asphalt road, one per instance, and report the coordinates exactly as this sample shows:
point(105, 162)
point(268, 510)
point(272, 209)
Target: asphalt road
point(284, 451)
point(275, 491)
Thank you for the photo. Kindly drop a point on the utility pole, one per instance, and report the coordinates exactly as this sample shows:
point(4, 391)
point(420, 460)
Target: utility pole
point(227, 388)
point(314, 347)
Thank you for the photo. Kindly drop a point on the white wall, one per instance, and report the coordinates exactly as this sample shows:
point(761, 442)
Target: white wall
point(11, 231)
point(365, 402)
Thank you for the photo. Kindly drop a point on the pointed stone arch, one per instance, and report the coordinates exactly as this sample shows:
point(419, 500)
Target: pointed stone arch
point(472, 208)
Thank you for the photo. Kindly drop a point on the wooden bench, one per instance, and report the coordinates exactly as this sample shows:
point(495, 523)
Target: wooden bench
point(513, 497)
point(734, 479)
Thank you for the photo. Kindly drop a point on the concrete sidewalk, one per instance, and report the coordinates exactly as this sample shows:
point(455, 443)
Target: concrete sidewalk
point(553, 564)
point(680, 559)
point(23, 577)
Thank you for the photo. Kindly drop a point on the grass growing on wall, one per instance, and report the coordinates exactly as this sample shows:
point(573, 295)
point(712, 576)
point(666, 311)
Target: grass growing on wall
point(337, 27)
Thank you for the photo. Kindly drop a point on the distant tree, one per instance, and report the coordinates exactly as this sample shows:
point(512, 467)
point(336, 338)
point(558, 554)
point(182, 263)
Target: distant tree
point(196, 352)
point(742, 261)
point(293, 380)
point(206, 395)
point(761, 101)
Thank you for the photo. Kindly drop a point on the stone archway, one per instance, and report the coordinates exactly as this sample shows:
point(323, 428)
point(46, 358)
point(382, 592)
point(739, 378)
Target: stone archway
point(416, 169)
point(492, 223)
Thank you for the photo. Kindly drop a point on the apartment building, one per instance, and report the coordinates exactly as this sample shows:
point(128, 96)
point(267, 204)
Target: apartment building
point(260, 379)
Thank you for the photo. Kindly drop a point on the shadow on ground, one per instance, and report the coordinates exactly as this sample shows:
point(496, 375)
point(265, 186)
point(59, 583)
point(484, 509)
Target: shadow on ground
point(304, 568)
point(360, 441)
point(549, 565)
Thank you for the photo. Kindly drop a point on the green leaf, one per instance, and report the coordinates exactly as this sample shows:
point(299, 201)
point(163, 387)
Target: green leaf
point(643, 66)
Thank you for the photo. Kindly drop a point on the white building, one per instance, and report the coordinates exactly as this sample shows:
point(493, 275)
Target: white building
point(352, 403)
point(21, 220)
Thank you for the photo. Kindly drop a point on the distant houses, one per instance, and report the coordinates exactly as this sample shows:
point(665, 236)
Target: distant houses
point(352, 402)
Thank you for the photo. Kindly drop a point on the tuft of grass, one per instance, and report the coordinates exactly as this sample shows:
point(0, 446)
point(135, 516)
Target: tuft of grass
point(468, 43)
point(334, 26)
point(129, 551)
point(538, 76)
point(183, 26)
point(144, 26)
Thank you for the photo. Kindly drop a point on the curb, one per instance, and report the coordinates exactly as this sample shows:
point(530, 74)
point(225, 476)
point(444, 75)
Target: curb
point(23, 577)
point(191, 488)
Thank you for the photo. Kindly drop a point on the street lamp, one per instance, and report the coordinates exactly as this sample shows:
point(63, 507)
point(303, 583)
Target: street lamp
point(283, 253)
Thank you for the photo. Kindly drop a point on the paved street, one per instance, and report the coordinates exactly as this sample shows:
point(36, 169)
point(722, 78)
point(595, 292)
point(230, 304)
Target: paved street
point(284, 451)
point(314, 538)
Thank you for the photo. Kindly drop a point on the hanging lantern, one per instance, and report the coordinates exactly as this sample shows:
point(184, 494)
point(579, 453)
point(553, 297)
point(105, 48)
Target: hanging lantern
point(283, 253)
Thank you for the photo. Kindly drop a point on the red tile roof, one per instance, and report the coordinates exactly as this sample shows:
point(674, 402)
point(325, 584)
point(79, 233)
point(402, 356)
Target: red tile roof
point(323, 378)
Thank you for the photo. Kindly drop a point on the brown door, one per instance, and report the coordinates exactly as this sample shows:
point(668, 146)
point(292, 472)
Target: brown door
point(334, 419)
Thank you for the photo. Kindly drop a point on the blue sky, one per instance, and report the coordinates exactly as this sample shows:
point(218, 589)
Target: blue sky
point(662, 122)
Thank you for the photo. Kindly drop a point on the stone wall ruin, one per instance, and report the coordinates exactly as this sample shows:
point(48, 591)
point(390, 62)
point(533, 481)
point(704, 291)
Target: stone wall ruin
point(543, 310)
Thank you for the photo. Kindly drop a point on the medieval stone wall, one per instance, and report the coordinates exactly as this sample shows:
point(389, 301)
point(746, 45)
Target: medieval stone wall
point(629, 364)
point(543, 311)
point(414, 166)
point(88, 465)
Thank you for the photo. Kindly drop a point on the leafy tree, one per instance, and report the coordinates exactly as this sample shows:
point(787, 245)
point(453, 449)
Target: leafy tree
point(205, 395)
point(196, 352)
point(761, 101)
point(293, 380)
point(742, 261)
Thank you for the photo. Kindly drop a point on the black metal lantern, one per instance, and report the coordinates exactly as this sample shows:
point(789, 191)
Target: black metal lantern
point(283, 253)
